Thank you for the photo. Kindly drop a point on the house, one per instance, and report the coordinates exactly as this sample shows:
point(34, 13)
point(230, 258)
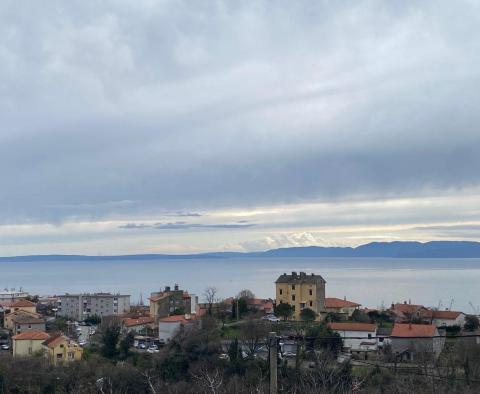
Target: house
point(28, 343)
point(23, 322)
point(168, 302)
point(9, 319)
point(357, 337)
point(447, 318)
point(340, 307)
point(81, 306)
point(137, 325)
point(23, 305)
point(12, 295)
point(170, 326)
point(416, 342)
point(406, 312)
point(383, 336)
point(301, 291)
point(264, 306)
point(61, 349)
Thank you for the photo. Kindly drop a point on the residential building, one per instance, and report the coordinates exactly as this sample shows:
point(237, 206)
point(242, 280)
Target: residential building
point(407, 313)
point(383, 336)
point(357, 337)
point(139, 325)
point(416, 342)
point(341, 307)
point(59, 350)
point(9, 319)
point(28, 343)
point(23, 305)
point(12, 295)
point(81, 306)
point(447, 318)
point(301, 291)
point(24, 322)
point(172, 302)
point(170, 326)
point(264, 306)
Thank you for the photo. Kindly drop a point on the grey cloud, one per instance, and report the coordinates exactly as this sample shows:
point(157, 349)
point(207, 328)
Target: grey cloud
point(180, 107)
point(184, 226)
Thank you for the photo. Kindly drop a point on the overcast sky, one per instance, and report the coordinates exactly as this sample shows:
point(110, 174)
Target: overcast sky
point(187, 126)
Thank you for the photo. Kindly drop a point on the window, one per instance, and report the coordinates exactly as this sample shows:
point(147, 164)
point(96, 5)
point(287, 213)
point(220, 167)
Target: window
point(311, 303)
point(293, 297)
point(29, 326)
point(59, 355)
point(281, 291)
point(310, 292)
point(302, 305)
point(369, 336)
point(71, 355)
point(293, 287)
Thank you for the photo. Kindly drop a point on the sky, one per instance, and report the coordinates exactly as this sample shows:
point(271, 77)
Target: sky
point(187, 126)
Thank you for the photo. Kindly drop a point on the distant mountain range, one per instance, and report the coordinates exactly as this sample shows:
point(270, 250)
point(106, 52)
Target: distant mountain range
point(434, 249)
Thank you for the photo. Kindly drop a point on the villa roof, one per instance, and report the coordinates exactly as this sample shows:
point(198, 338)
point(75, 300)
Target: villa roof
point(177, 318)
point(23, 304)
point(353, 327)
point(25, 318)
point(408, 308)
point(413, 330)
point(138, 321)
point(31, 335)
point(332, 302)
point(300, 278)
point(54, 341)
point(447, 315)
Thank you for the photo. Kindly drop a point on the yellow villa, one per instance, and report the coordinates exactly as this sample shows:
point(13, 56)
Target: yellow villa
point(301, 291)
point(61, 349)
point(28, 343)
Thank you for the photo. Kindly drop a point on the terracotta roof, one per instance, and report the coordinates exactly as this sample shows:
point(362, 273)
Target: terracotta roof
point(413, 330)
point(158, 297)
point(332, 302)
point(25, 319)
point(408, 308)
point(131, 322)
point(176, 318)
point(352, 326)
point(448, 315)
point(23, 303)
point(31, 335)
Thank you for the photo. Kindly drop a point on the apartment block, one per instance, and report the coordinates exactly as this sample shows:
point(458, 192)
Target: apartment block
point(81, 306)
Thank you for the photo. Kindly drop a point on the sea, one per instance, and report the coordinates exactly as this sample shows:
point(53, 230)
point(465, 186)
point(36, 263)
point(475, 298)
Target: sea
point(372, 282)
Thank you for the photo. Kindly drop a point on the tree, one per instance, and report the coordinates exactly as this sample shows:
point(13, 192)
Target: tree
point(360, 316)
point(307, 314)
point(109, 342)
point(126, 343)
point(284, 310)
point(253, 334)
point(471, 323)
point(241, 304)
point(247, 294)
point(223, 311)
point(324, 338)
point(210, 296)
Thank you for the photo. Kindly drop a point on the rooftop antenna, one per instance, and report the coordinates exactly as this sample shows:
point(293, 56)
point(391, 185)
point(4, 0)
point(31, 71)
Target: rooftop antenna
point(141, 299)
point(451, 304)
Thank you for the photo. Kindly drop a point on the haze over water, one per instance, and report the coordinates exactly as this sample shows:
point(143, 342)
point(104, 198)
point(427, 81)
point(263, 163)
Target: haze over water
point(369, 281)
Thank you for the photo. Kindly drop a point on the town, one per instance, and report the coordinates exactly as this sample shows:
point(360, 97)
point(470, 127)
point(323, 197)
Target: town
point(293, 330)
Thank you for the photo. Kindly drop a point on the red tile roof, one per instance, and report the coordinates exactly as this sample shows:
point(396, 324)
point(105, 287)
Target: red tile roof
point(353, 327)
point(31, 335)
point(413, 330)
point(408, 308)
point(23, 304)
point(447, 315)
point(177, 318)
point(339, 303)
point(139, 321)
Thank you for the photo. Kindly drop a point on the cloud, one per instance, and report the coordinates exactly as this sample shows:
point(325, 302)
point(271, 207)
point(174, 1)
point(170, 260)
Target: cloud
point(176, 108)
point(283, 241)
point(183, 226)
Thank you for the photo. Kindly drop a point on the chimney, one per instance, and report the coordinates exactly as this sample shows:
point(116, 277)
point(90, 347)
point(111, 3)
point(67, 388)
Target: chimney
point(176, 287)
point(344, 298)
point(404, 302)
point(167, 288)
point(294, 274)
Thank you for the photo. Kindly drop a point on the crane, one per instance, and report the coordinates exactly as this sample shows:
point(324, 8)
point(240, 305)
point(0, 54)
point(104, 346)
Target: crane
point(451, 304)
point(476, 310)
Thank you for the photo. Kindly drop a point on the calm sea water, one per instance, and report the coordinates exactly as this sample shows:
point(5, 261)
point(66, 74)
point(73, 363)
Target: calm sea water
point(371, 281)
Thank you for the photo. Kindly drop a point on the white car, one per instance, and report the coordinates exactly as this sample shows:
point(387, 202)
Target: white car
point(273, 319)
point(153, 349)
point(5, 347)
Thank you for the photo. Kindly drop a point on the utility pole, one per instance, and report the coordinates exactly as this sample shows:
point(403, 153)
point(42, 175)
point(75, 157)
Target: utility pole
point(273, 342)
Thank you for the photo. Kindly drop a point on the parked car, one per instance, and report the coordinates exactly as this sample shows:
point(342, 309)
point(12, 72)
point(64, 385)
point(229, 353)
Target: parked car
point(153, 349)
point(224, 356)
point(273, 319)
point(142, 346)
point(5, 347)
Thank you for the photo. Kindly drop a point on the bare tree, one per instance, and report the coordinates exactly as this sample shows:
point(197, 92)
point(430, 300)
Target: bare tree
point(210, 295)
point(247, 294)
point(209, 380)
